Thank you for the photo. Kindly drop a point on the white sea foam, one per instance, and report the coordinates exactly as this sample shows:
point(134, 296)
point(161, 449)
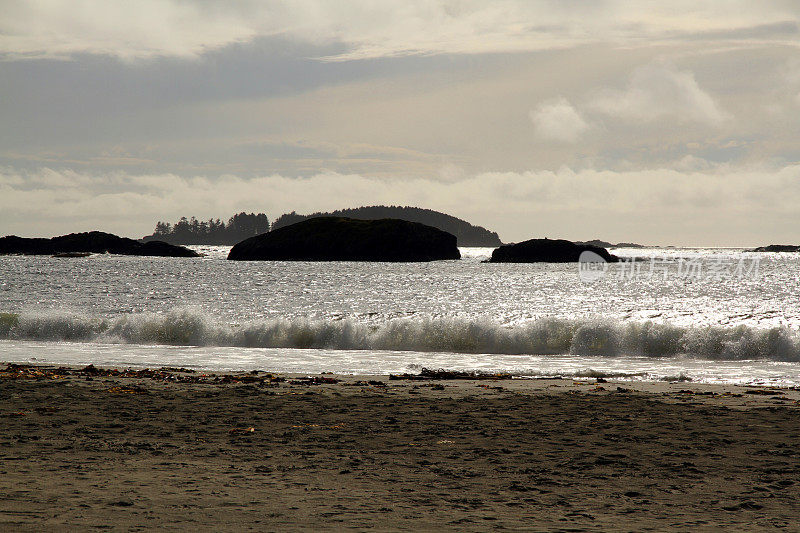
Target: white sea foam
point(546, 336)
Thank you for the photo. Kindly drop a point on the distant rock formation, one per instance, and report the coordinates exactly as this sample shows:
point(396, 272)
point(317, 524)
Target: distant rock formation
point(92, 242)
point(546, 251)
point(777, 248)
point(466, 233)
point(347, 239)
point(606, 244)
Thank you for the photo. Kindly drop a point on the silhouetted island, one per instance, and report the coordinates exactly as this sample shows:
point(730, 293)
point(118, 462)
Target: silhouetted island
point(606, 244)
point(546, 251)
point(777, 248)
point(347, 239)
point(466, 233)
point(213, 231)
point(98, 242)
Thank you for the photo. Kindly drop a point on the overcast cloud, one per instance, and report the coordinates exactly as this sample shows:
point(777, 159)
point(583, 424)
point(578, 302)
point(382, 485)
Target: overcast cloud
point(663, 122)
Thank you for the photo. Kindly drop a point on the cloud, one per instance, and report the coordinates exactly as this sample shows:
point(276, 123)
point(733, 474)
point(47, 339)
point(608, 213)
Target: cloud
point(146, 28)
point(559, 121)
point(367, 29)
point(658, 91)
point(713, 206)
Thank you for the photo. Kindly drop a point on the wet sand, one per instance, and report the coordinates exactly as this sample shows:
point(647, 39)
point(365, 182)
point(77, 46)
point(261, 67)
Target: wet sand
point(84, 450)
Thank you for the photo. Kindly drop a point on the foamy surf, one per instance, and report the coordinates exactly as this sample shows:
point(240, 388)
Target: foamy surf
point(545, 336)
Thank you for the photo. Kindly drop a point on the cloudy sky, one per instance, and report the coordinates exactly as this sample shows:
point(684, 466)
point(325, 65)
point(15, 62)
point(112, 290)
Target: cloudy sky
point(659, 122)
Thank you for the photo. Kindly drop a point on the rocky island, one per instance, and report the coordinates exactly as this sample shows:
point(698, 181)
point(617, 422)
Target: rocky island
point(546, 251)
point(777, 248)
point(245, 225)
point(98, 242)
point(347, 239)
point(605, 244)
point(466, 234)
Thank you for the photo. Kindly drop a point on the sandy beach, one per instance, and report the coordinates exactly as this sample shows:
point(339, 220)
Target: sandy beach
point(100, 449)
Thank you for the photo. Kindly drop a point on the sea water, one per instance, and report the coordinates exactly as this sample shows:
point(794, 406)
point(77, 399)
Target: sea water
point(735, 318)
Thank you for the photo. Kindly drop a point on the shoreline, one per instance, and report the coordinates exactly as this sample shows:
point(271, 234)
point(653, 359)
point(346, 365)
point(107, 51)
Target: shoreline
point(94, 448)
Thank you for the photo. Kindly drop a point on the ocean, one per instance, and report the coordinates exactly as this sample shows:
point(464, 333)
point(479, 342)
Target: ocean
point(706, 315)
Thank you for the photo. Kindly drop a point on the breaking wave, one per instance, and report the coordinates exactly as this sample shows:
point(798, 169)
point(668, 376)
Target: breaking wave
point(548, 336)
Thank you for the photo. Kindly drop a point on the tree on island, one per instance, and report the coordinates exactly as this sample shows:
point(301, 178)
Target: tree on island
point(242, 226)
point(212, 231)
point(466, 233)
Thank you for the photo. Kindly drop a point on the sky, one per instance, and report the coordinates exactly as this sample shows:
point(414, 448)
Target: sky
point(665, 123)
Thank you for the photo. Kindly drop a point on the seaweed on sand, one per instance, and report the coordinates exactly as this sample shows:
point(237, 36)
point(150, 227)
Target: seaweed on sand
point(430, 374)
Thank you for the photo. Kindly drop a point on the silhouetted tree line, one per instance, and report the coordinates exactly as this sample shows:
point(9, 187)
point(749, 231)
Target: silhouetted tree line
point(244, 225)
point(212, 231)
point(466, 233)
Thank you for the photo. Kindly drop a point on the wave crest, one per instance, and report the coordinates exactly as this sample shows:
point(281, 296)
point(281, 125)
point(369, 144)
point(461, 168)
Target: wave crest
point(547, 336)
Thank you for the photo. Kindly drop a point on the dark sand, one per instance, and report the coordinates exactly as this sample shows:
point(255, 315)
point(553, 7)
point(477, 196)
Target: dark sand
point(84, 452)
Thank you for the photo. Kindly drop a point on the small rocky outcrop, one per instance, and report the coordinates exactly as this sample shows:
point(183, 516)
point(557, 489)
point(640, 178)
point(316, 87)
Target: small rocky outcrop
point(546, 251)
point(347, 239)
point(96, 242)
point(605, 244)
point(777, 248)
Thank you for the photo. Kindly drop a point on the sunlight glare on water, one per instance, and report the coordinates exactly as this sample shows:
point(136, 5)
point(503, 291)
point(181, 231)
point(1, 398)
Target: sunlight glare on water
point(348, 313)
